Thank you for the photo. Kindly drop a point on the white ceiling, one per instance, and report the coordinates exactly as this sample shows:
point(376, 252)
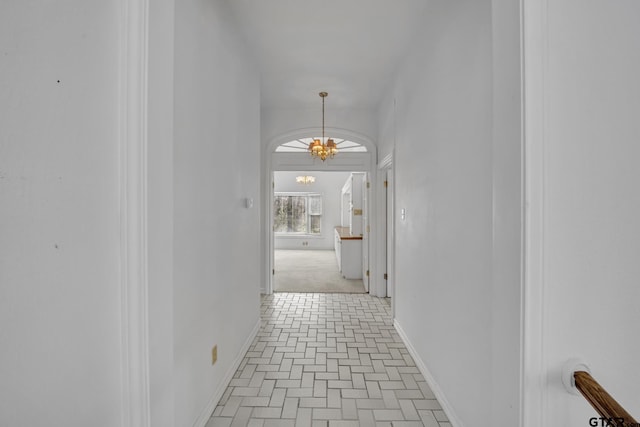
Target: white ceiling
point(348, 48)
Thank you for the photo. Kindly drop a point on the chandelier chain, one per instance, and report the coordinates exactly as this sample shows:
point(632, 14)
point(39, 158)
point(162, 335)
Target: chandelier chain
point(323, 140)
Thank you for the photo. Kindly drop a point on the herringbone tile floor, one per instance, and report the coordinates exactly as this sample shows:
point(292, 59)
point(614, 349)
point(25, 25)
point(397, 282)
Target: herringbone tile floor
point(327, 360)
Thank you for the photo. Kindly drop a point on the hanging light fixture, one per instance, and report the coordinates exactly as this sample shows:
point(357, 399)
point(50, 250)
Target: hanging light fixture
point(320, 148)
point(305, 179)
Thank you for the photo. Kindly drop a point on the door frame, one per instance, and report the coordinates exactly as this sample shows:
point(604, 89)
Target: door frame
point(386, 252)
point(344, 162)
point(133, 212)
point(534, 59)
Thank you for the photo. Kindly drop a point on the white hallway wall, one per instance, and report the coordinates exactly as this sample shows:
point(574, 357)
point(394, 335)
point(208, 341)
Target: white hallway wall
point(60, 303)
point(590, 201)
point(59, 215)
point(507, 215)
point(216, 166)
point(457, 169)
point(588, 208)
point(329, 184)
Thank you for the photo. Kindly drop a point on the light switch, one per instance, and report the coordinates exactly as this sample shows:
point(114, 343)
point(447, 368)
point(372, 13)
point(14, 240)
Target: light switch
point(248, 202)
point(403, 214)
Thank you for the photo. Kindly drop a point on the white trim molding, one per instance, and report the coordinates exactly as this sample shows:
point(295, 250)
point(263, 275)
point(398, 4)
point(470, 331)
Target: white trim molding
point(213, 402)
point(384, 258)
point(435, 387)
point(133, 213)
point(534, 66)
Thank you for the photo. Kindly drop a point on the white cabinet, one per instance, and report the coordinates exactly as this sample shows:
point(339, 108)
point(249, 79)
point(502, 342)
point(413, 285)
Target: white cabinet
point(349, 253)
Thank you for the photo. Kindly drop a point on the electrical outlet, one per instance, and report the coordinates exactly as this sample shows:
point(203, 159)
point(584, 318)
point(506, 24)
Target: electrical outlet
point(214, 354)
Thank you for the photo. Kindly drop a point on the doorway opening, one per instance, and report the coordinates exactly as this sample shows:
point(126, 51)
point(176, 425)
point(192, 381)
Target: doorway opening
point(320, 220)
point(357, 154)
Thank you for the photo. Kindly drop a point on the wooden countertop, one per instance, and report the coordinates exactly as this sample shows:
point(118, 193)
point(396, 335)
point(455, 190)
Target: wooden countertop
point(344, 234)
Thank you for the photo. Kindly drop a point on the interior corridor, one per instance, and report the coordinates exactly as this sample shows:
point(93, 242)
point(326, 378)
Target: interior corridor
point(327, 360)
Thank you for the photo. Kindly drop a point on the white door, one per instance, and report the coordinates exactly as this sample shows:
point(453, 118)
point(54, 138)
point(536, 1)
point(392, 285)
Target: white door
point(389, 234)
point(365, 232)
point(272, 269)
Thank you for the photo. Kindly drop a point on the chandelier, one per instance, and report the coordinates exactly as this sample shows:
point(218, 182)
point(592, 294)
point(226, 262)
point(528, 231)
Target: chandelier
point(305, 179)
point(320, 148)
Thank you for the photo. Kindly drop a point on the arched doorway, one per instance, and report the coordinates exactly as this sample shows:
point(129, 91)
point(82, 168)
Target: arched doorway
point(288, 152)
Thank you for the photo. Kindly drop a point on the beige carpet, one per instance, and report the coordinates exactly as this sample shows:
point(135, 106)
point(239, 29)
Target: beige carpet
point(311, 271)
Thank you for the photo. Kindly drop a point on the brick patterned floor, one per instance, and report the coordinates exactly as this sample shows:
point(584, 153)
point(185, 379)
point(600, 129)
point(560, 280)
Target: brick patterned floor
point(327, 360)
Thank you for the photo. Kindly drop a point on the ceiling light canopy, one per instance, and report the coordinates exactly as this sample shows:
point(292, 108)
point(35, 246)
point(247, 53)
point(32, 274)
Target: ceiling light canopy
point(323, 148)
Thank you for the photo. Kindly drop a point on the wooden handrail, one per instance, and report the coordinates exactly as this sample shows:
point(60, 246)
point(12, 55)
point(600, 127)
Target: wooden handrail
point(611, 413)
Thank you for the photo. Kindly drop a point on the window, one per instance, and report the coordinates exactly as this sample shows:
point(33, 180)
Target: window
point(297, 213)
point(302, 146)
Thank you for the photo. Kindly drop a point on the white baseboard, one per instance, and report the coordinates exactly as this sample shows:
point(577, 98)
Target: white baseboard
point(204, 417)
point(435, 387)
